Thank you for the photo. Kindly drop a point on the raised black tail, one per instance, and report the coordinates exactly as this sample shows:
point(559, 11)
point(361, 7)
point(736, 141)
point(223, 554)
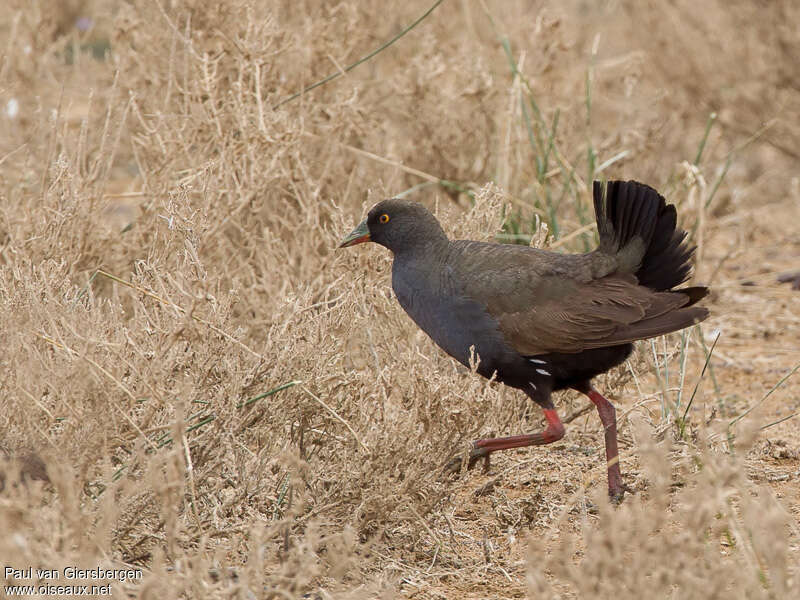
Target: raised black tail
point(638, 227)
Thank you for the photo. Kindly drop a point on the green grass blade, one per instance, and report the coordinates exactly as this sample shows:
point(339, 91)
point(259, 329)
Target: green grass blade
point(791, 416)
point(364, 59)
point(767, 395)
point(699, 379)
point(280, 388)
point(711, 118)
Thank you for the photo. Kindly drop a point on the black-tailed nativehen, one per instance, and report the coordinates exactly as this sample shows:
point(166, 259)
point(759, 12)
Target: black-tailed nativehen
point(542, 321)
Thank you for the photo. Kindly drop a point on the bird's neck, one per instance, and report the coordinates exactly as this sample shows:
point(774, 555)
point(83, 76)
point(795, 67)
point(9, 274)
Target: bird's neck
point(428, 250)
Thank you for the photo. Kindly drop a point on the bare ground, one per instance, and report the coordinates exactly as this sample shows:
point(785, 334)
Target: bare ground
point(197, 385)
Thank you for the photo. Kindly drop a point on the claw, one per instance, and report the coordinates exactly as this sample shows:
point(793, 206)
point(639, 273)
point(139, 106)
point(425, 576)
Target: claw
point(454, 466)
point(616, 496)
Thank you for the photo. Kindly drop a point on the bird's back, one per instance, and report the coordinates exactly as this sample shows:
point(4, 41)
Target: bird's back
point(514, 277)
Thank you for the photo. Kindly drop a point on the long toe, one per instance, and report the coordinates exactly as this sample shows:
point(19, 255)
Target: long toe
point(454, 466)
point(616, 496)
point(617, 493)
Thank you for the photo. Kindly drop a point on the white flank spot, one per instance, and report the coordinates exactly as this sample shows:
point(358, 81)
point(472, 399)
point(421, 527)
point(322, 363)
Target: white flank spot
point(542, 372)
point(537, 361)
point(533, 385)
point(12, 108)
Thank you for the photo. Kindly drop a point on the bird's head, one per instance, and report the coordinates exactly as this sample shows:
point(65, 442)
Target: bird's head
point(399, 225)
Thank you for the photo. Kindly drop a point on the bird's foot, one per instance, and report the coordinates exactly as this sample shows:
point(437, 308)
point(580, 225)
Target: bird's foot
point(617, 493)
point(454, 465)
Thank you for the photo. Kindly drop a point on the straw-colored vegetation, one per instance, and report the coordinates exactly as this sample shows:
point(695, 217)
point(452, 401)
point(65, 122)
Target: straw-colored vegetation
point(224, 401)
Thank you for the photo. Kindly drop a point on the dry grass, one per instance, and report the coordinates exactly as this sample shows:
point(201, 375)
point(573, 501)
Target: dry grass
point(167, 255)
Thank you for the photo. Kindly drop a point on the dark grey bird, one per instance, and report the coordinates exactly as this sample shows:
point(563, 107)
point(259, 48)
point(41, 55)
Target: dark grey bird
point(541, 321)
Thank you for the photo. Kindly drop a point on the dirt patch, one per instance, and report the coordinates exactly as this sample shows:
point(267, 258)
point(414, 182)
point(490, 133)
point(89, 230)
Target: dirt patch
point(227, 404)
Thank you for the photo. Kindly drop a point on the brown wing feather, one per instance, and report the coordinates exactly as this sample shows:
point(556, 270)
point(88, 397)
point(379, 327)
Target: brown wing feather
point(604, 312)
point(546, 302)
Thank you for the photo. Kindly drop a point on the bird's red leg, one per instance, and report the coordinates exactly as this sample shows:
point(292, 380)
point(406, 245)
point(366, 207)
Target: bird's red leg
point(483, 448)
point(608, 415)
point(552, 433)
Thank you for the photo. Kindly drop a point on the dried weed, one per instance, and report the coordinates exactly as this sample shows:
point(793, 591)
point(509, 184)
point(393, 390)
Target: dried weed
point(222, 400)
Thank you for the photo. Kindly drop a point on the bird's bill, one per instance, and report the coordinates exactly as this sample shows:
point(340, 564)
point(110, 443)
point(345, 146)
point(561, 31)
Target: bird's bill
point(359, 235)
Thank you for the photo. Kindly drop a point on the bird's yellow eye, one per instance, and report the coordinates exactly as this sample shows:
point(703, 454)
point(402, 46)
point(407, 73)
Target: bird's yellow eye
point(384, 218)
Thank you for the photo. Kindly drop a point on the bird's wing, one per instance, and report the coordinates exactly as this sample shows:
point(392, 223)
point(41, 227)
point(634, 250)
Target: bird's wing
point(604, 312)
point(544, 302)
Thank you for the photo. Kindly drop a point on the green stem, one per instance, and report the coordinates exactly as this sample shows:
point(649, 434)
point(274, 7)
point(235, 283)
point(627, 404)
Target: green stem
point(350, 67)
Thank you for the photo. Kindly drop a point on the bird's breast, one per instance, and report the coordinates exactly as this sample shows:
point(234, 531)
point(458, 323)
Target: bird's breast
point(455, 322)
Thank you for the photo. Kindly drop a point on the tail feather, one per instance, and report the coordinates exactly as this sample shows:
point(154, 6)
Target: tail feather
point(695, 293)
point(637, 226)
point(668, 322)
